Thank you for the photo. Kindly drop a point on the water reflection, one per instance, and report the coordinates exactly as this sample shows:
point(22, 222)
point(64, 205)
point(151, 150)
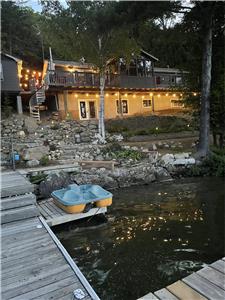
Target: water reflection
point(155, 235)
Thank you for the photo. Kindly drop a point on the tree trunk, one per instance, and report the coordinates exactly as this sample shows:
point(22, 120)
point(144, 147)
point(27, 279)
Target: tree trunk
point(204, 134)
point(101, 122)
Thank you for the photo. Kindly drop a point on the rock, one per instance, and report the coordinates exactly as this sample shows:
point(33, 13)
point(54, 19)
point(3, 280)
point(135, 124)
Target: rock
point(183, 162)
point(32, 163)
point(181, 155)
point(35, 153)
point(162, 174)
point(30, 124)
point(167, 158)
point(54, 181)
point(154, 148)
point(21, 133)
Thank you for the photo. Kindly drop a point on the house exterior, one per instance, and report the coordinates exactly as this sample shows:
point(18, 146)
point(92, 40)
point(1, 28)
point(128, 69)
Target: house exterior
point(137, 89)
point(10, 70)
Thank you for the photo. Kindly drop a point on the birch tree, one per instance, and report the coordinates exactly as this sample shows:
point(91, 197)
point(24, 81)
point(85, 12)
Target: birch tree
point(85, 29)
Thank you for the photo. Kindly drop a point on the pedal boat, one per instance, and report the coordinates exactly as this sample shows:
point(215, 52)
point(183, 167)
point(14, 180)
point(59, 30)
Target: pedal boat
point(74, 198)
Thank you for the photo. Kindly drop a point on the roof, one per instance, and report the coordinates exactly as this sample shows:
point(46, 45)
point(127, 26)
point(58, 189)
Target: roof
point(149, 55)
point(69, 63)
point(12, 57)
point(168, 70)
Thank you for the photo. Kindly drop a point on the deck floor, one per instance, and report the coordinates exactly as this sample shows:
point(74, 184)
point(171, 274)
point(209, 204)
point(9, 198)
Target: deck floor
point(54, 215)
point(207, 283)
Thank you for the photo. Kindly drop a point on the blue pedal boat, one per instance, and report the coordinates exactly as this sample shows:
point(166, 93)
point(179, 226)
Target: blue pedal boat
point(74, 198)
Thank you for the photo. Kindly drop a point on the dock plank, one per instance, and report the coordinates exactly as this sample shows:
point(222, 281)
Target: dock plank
point(149, 296)
point(19, 201)
point(219, 265)
point(182, 291)
point(34, 263)
point(55, 215)
point(164, 294)
point(204, 287)
point(213, 276)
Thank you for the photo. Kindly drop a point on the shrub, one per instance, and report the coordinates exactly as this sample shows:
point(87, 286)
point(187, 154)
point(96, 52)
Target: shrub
point(44, 161)
point(116, 151)
point(38, 178)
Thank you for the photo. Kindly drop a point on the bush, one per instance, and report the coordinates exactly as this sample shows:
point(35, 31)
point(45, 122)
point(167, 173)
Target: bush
point(214, 165)
point(38, 178)
point(44, 161)
point(116, 151)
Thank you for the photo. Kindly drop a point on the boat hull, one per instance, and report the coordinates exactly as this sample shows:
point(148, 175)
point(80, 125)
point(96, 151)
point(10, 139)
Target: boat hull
point(104, 202)
point(71, 209)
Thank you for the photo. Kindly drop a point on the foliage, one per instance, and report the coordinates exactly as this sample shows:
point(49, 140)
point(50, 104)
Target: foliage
point(20, 34)
point(142, 125)
point(44, 161)
point(117, 152)
point(36, 179)
point(213, 165)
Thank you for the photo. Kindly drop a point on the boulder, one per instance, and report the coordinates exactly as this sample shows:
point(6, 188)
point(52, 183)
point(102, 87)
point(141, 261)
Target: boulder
point(181, 155)
point(167, 158)
point(35, 153)
point(32, 163)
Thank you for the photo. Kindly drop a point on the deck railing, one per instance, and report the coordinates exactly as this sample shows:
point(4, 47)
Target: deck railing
point(84, 79)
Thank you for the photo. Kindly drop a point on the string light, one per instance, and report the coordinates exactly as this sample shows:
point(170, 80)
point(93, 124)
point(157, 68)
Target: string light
point(39, 74)
point(181, 95)
point(158, 95)
point(107, 95)
point(87, 94)
point(167, 94)
point(195, 94)
point(28, 71)
point(25, 84)
point(76, 95)
point(125, 95)
point(116, 94)
point(174, 95)
point(134, 96)
point(151, 94)
point(96, 95)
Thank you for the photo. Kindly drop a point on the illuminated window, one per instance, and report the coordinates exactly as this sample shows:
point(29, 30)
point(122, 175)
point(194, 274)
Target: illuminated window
point(122, 106)
point(147, 103)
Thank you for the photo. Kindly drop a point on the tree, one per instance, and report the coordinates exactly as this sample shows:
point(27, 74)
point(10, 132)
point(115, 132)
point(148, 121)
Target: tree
point(19, 37)
point(82, 29)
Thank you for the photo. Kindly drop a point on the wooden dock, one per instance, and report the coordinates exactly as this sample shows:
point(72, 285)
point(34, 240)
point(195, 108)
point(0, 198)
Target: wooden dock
point(34, 263)
point(54, 215)
point(207, 283)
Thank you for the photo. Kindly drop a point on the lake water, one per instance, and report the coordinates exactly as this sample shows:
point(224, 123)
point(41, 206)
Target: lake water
point(154, 236)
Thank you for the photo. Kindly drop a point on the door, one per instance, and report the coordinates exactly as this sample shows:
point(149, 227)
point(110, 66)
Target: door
point(87, 109)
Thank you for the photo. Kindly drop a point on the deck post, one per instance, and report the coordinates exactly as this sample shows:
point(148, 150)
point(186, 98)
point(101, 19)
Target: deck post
point(65, 98)
point(19, 105)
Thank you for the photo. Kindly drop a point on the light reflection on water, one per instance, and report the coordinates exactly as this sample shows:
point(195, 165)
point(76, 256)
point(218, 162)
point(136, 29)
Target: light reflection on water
point(155, 235)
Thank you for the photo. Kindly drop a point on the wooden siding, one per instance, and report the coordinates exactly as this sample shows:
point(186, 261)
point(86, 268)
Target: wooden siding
point(10, 82)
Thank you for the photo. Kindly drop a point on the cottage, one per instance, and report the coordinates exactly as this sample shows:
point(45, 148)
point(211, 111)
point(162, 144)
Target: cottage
point(10, 70)
point(72, 88)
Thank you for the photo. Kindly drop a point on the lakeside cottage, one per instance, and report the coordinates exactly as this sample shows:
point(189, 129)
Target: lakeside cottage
point(70, 90)
point(137, 89)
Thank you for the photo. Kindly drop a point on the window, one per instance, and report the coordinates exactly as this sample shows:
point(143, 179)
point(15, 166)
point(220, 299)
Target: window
point(178, 80)
point(122, 106)
point(177, 103)
point(147, 103)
